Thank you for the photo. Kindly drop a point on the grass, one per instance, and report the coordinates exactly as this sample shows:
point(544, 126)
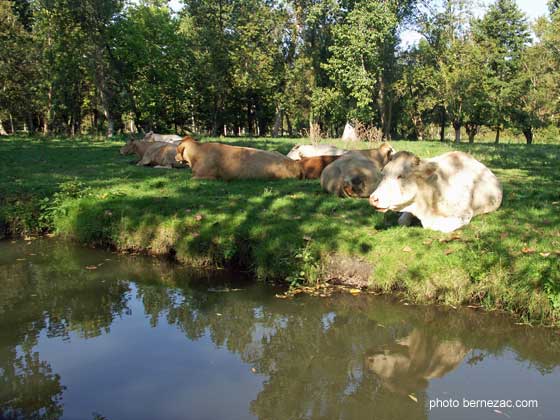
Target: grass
point(508, 260)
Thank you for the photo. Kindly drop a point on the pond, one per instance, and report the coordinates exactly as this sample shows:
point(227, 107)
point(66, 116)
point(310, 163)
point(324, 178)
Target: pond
point(87, 334)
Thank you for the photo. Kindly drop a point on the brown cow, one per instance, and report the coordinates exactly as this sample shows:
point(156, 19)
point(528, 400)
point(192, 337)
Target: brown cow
point(222, 161)
point(312, 167)
point(157, 154)
point(356, 173)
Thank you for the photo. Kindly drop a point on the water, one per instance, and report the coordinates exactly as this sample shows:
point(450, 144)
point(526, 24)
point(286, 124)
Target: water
point(86, 334)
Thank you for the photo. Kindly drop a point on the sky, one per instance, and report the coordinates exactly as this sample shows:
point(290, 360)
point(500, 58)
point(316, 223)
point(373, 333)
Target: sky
point(533, 9)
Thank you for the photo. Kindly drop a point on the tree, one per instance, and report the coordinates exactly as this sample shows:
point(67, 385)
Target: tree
point(356, 63)
point(417, 89)
point(504, 34)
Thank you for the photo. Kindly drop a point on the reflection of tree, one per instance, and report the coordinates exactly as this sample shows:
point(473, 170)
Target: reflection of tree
point(28, 388)
point(320, 358)
point(52, 293)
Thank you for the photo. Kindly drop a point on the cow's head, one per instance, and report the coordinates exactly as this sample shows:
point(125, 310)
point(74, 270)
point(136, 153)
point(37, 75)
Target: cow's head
point(149, 136)
point(402, 177)
point(181, 156)
point(128, 148)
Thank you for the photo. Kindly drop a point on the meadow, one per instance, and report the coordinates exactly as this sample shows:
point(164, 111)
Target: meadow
point(82, 189)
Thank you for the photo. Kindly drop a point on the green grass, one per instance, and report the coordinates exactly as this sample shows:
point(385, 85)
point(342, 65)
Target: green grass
point(86, 191)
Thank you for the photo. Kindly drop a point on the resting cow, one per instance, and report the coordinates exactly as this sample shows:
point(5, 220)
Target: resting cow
point(308, 150)
point(221, 161)
point(355, 175)
point(158, 154)
point(312, 167)
point(444, 192)
point(166, 138)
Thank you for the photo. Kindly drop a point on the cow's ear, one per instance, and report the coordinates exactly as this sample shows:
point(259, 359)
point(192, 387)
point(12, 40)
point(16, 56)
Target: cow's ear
point(427, 170)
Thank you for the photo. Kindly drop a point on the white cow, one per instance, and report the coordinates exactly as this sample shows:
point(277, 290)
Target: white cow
point(444, 192)
point(308, 150)
point(166, 138)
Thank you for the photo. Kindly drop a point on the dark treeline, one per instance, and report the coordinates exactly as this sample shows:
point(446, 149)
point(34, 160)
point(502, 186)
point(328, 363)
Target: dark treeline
point(271, 67)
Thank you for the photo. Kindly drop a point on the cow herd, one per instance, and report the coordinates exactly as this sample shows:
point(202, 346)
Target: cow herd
point(444, 192)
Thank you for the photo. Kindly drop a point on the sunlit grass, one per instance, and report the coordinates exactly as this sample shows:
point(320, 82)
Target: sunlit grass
point(289, 229)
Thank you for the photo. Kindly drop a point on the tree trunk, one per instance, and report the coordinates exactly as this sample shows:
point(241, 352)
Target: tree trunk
point(2, 130)
point(528, 132)
point(278, 119)
point(12, 130)
point(457, 127)
point(30, 122)
point(497, 140)
point(442, 125)
point(289, 124)
point(472, 130)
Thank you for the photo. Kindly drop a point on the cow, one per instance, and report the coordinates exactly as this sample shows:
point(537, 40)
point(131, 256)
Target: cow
point(221, 161)
point(166, 138)
point(157, 154)
point(312, 167)
point(444, 192)
point(407, 365)
point(356, 174)
point(308, 150)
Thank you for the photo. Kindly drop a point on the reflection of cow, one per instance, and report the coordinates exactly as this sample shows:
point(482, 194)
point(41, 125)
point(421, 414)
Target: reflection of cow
point(408, 364)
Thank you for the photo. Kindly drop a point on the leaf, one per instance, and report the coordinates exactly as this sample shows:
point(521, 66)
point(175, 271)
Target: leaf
point(355, 291)
point(428, 241)
point(448, 251)
point(407, 249)
point(413, 397)
point(527, 250)
point(307, 238)
point(544, 254)
point(91, 267)
point(198, 217)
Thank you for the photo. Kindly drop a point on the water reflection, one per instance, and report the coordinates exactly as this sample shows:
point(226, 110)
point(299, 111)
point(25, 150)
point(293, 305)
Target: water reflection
point(70, 316)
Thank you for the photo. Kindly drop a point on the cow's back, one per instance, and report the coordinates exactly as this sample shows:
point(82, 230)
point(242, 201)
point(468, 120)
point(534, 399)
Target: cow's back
point(462, 177)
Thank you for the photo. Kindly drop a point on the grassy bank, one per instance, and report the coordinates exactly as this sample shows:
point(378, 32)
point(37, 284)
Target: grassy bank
point(508, 260)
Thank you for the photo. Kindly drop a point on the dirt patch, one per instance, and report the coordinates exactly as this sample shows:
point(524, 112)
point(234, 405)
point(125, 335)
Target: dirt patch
point(348, 271)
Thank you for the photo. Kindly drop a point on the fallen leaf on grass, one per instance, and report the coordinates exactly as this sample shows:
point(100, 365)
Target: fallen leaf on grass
point(454, 237)
point(307, 238)
point(198, 217)
point(413, 397)
point(428, 241)
point(544, 254)
point(91, 267)
point(407, 249)
point(527, 250)
point(448, 251)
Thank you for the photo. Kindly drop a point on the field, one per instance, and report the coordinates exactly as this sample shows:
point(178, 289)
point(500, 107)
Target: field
point(291, 230)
